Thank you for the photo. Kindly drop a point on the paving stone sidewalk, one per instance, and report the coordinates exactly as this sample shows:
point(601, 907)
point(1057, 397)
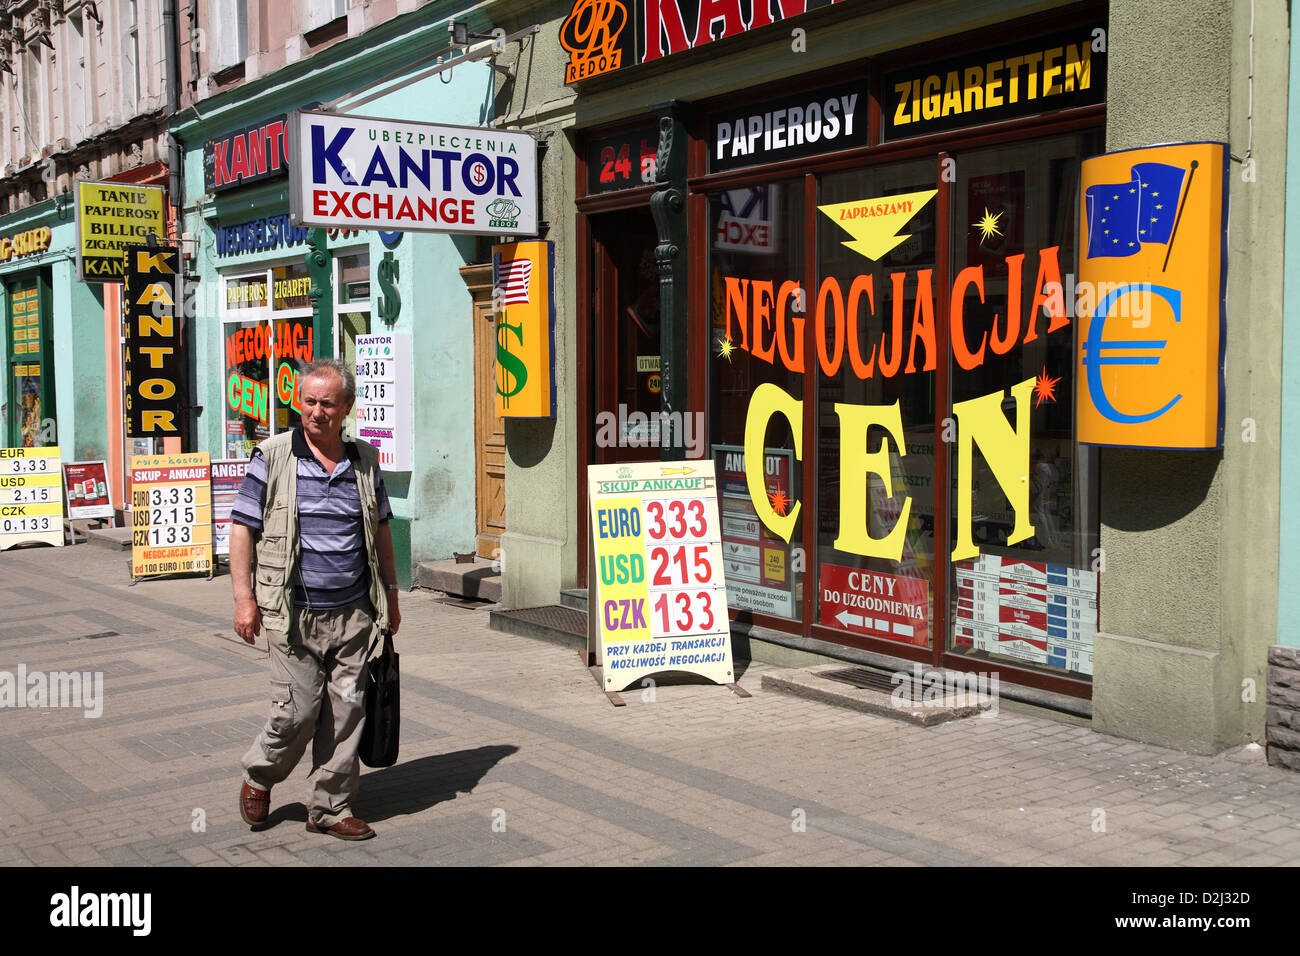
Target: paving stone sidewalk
point(510, 755)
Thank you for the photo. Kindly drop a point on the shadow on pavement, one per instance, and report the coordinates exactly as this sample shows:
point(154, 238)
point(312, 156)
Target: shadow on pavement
point(420, 784)
point(409, 787)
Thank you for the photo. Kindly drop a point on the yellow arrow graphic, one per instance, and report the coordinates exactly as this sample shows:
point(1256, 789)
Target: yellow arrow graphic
point(874, 223)
point(676, 471)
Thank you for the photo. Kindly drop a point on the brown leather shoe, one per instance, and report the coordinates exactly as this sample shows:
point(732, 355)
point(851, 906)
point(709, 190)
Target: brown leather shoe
point(254, 804)
point(349, 828)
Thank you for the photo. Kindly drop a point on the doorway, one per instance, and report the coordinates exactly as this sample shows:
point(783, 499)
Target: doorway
point(627, 383)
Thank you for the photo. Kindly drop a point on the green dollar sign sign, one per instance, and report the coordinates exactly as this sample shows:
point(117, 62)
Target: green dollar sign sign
point(390, 301)
point(511, 367)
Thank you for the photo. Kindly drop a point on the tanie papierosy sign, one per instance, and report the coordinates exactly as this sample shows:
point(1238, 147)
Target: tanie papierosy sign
point(360, 172)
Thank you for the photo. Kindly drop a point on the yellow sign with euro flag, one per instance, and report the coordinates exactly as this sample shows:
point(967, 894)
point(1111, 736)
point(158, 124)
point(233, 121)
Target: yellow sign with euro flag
point(1152, 276)
point(524, 303)
point(658, 597)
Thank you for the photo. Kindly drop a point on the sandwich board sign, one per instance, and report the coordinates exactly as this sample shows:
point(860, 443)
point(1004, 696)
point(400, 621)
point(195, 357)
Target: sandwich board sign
point(659, 599)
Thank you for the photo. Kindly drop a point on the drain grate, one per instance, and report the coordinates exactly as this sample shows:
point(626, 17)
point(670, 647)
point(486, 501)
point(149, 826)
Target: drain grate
point(95, 637)
point(866, 679)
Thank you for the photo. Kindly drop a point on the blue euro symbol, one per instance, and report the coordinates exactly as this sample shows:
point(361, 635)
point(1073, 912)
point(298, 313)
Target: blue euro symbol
point(1093, 346)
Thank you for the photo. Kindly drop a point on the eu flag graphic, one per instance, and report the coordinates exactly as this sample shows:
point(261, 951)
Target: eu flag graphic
point(1122, 216)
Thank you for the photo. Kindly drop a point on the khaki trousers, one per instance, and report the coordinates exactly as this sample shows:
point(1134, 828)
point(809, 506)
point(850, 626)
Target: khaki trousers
point(318, 675)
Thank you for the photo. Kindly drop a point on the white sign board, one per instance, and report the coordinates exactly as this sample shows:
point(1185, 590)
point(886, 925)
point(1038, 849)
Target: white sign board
point(364, 173)
point(384, 391)
point(659, 599)
point(31, 496)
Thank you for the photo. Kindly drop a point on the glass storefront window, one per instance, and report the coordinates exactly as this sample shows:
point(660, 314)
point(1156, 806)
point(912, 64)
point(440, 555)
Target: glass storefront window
point(948, 351)
point(756, 342)
point(1033, 598)
point(875, 353)
point(351, 312)
point(268, 340)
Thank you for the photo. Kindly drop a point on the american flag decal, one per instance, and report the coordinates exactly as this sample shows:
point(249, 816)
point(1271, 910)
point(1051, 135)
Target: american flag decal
point(512, 281)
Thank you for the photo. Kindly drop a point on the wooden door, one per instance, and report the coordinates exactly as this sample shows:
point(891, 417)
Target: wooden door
point(489, 428)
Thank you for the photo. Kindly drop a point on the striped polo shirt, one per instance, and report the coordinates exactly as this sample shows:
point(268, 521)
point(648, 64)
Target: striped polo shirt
point(330, 528)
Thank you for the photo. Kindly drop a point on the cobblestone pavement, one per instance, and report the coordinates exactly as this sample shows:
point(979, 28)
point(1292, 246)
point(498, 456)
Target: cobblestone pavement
point(510, 755)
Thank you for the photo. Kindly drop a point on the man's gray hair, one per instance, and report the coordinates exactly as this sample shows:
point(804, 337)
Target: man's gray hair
point(338, 367)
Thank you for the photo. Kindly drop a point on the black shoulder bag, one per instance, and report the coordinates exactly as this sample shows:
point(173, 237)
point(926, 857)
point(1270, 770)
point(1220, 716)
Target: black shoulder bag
point(383, 715)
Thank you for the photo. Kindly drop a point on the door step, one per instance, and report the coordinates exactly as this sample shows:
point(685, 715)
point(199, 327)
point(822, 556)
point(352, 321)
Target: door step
point(552, 622)
point(478, 579)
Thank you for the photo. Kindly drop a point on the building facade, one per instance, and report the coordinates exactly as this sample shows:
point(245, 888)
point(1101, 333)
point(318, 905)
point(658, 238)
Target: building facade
point(270, 297)
point(827, 235)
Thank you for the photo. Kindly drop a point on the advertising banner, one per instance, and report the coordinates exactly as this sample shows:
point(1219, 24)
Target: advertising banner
point(110, 217)
point(1042, 613)
point(522, 283)
point(86, 485)
point(602, 36)
point(1153, 241)
point(171, 514)
point(659, 599)
point(415, 177)
point(247, 155)
point(227, 476)
point(874, 603)
point(384, 397)
point(1060, 71)
point(756, 562)
point(791, 127)
point(31, 497)
point(153, 376)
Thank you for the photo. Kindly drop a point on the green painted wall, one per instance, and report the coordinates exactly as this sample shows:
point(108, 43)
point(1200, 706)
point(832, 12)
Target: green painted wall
point(1188, 597)
point(77, 326)
point(435, 501)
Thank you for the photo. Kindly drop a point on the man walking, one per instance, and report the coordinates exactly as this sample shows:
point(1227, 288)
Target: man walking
point(314, 508)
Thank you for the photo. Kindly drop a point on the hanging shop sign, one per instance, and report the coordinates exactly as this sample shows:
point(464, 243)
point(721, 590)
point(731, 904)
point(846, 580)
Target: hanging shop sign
point(245, 156)
point(227, 476)
point(1061, 71)
point(602, 36)
point(86, 485)
point(110, 217)
point(386, 174)
point(31, 497)
point(522, 282)
point(660, 599)
point(622, 160)
point(151, 322)
point(171, 514)
point(28, 243)
point(384, 397)
point(1153, 238)
point(790, 127)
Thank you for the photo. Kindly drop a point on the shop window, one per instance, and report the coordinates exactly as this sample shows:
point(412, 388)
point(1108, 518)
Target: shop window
point(756, 342)
point(1027, 597)
point(954, 511)
point(877, 348)
point(30, 408)
point(268, 340)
